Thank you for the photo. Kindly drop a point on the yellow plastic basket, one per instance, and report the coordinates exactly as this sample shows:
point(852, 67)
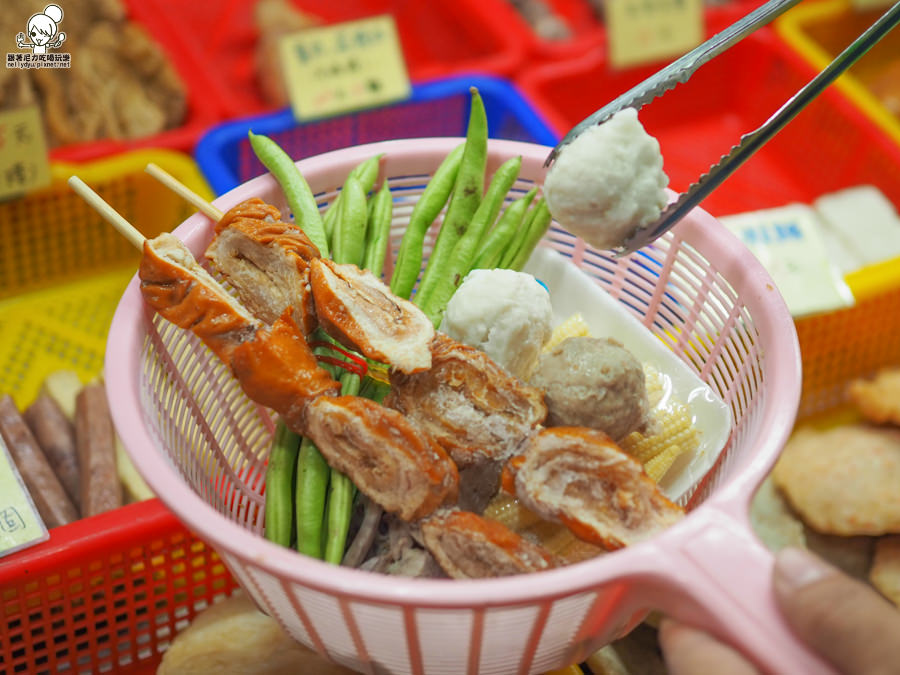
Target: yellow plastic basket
point(63, 269)
point(819, 31)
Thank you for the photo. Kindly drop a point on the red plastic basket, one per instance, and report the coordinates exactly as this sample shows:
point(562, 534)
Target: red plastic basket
point(99, 597)
point(202, 110)
point(438, 38)
point(829, 146)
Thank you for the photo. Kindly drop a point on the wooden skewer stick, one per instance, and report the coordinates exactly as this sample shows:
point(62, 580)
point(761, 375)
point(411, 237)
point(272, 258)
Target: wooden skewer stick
point(112, 216)
point(184, 191)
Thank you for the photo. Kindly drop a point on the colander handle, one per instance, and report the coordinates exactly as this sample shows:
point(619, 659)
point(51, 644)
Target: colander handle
point(721, 576)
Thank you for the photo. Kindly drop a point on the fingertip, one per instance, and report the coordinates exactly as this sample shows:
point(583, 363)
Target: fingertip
point(796, 568)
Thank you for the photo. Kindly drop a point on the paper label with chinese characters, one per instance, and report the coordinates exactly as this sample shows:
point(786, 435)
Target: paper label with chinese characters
point(344, 67)
point(20, 524)
point(787, 241)
point(644, 31)
point(24, 165)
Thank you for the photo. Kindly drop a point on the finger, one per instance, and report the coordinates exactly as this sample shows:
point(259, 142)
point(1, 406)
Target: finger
point(844, 620)
point(689, 651)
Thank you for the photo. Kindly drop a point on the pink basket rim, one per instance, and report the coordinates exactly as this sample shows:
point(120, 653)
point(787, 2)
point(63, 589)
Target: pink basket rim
point(699, 229)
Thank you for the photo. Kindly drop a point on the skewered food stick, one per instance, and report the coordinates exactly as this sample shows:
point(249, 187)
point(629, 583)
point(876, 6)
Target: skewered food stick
point(184, 191)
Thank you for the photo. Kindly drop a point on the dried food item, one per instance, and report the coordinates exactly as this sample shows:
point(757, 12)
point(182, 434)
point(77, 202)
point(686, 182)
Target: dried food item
point(578, 477)
point(385, 455)
point(53, 504)
point(468, 546)
point(878, 399)
point(120, 84)
point(594, 382)
point(267, 262)
point(546, 23)
point(95, 439)
point(359, 310)
point(885, 571)
point(843, 480)
point(471, 406)
point(56, 436)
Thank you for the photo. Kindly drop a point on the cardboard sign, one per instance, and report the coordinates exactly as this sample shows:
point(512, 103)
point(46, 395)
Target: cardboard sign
point(344, 67)
point(24, 165)
point(787, 241)
point(645, 31)
point(20, 524)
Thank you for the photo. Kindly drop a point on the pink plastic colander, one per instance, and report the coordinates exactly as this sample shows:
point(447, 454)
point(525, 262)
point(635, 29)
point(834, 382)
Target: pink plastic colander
point(202, 446)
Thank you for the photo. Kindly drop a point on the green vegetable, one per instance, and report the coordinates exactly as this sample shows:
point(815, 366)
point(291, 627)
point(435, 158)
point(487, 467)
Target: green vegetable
point(280, 476)
point(424, 213)
point(341, 492)
point(378, 231)
point(464, 252)
point(467, 194)
point(309, 500)
point(537, 228)
point(366, 172)
point(350, 230)
point(503, 233)
point(296, 190)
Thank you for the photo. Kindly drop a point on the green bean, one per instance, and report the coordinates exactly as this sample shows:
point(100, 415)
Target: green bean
point(467, 194)
point(537, 228)
point(424, 213)
point(515, 242)
point(378, 231)
point(296, 190)
point(312, 481)
point(465, 249)
point(341, 492)
point(366, 171)
point(498, 239)
point(280, 475)
point(350, 230)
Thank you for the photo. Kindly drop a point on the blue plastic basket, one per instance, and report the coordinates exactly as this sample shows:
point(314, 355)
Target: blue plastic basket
point(436, 108)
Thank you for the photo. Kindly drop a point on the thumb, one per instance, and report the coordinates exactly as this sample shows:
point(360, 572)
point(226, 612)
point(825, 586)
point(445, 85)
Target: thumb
point(843, 619)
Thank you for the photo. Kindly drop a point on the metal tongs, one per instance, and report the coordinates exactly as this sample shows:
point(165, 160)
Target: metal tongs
point(680, 71)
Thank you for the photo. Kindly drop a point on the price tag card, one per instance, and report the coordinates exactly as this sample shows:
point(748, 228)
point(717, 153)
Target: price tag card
point(787, 241)
point(20, 524)
point(24, 165)
point(644, 31)
point(344, 67)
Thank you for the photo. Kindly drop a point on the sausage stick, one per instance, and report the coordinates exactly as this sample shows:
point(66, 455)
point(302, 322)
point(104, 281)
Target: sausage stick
point(50, 498)
point(55, 435)
point(95, 440)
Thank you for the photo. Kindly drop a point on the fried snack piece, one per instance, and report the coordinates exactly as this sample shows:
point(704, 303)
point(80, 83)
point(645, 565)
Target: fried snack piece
point(278, 369)
point(885, 571)
point(878, 399)
point(580, 478)
point(843, 480)
point(472, 407)
point(467, 546)
point(357, 309)
point(391, 461)
point(181, 291)
point(267, 262)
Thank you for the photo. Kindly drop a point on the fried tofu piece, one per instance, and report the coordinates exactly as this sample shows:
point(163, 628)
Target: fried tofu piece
point(878, 399)
point(843, 480)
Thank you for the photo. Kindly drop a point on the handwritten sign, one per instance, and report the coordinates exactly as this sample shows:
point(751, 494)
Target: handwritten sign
point(24, 165)
point(788, 243)
point(20, 524)
point(644, 31)
point(344, 67)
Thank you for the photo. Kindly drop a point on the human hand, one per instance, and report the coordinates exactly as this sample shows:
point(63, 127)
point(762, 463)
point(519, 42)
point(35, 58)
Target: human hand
point(843, 620)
